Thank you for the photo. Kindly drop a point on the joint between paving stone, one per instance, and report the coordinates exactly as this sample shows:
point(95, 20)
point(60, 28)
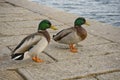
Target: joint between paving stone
point(11, 4)
point(93, 75)
point(9, 48)
point(23, 76)
point(16, 70)
point(103, 38)
point(96, 77)
point(50, 56)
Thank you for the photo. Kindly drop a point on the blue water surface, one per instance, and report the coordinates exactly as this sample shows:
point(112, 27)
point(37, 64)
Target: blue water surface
point(107, 11)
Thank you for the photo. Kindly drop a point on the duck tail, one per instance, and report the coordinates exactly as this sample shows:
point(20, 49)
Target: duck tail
point(17, 56)
point(53, 36)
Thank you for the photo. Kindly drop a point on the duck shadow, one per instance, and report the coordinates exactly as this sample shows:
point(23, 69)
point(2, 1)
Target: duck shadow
point(7, 63)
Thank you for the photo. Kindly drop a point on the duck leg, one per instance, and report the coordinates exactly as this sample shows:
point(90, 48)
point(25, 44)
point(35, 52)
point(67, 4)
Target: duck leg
point(72, 48)
point(36, 59)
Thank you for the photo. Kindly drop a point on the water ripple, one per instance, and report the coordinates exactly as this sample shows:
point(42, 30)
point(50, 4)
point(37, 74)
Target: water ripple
point(107, 11)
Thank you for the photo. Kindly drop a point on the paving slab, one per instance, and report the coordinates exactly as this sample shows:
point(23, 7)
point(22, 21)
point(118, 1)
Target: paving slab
point(4, 52)
point(3, 25)
point(104, 30)
point(45, 72)
point(110, 76)
point(11, 40)
point(88, 66)
point(23, 18)
point(9, 29)
point(93, 40)
point(5, 5)
point(13, 10)
point(24, 24)
point(22, 15)
point(9, 75)
point(98, 50)
point(33, 6)
point(19, 14)
point(31, 24)
point(88, 78)
point(72, 68)
point(1, 1)
point(12, 31)
point(62, 52)
point(57, 23)
point(7, 63)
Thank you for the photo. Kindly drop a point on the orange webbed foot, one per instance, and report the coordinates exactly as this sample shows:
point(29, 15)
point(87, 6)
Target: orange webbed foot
point(73, 49)
point(36, 59)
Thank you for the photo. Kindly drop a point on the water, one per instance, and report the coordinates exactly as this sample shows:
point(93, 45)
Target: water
point(107, 11)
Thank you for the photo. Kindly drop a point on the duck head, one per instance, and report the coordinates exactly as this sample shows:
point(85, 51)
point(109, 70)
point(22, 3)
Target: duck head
point(80, 21)
point(45, 24)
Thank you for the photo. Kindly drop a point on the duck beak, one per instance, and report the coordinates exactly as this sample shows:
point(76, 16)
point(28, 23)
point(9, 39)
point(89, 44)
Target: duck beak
point(87, 23)
point(53, 27)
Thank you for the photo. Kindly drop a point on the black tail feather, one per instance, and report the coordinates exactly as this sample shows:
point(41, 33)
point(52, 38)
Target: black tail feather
point(17, 56)
point(53, 36)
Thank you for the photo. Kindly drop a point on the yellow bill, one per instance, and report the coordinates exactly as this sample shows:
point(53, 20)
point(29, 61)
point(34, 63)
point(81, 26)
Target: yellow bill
point(87, 23)
point(53, 27)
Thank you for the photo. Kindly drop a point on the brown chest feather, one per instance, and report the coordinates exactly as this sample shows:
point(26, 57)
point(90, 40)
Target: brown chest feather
point(81, 32)
point(46, 34)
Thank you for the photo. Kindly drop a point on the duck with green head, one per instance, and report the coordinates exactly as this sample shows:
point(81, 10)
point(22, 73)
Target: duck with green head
point(33, 44)
point(73, 35)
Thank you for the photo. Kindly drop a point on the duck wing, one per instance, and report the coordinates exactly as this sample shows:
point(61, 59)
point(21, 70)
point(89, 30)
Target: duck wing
point(27, 43)
point(63, 33)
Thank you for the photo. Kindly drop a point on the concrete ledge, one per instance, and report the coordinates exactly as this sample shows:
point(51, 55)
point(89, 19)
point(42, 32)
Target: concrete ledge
point(106, 31)
point(98, 57)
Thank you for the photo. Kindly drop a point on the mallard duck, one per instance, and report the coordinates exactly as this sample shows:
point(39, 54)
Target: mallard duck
point(73, 35)
point(33, 44)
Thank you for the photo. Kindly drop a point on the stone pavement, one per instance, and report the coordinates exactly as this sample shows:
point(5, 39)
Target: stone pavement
point(98, 57)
